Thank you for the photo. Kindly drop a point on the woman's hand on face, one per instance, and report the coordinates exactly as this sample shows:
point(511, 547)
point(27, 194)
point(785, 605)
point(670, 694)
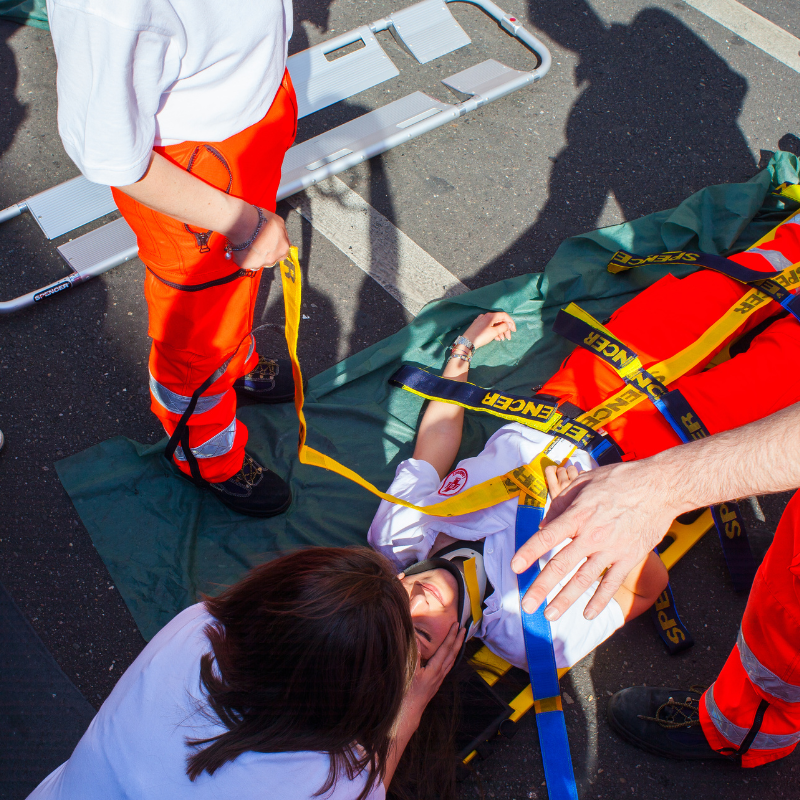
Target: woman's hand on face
point(270, 246)
point(427, 679)
point(490, 327)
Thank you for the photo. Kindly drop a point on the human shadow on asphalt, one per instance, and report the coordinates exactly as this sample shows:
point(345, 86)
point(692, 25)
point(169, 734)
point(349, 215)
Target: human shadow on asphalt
point(13, 111)
point(655, 122)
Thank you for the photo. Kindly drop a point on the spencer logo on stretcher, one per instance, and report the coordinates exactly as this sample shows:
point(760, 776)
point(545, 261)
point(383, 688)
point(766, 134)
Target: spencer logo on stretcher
point(541, 413)
point(518, 405)
point(610, 351)
point(627, 260)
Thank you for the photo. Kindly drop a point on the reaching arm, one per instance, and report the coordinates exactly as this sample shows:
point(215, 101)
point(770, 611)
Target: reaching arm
point(616, 514)
point(645, 581)
point(439, 435)
point(173, 191)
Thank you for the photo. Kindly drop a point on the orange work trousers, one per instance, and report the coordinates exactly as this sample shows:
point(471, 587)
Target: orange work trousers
point(194, 332)
point(670, 315)
point(762, 674)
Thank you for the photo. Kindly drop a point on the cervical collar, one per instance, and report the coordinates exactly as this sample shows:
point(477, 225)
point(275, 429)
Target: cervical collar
point(469, 599)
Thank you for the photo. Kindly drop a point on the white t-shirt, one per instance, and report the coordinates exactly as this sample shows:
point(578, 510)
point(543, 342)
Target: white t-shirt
point(137, 73)
point(135, 747)
point(406, 536)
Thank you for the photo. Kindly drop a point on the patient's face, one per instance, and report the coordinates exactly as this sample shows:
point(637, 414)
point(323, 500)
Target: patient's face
point(434, 607)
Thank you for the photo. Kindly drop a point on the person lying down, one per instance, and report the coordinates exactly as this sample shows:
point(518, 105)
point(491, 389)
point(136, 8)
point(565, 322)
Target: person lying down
point(430, 551)
point(659, 322)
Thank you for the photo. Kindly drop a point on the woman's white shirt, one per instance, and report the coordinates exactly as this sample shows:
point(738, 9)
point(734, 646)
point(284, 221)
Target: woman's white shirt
point(406, 536)
point(137, 73)
point(135, 748)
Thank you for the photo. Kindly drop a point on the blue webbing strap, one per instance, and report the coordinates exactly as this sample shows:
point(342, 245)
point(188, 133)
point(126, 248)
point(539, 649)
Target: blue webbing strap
point(670, 627)
point(536, 411)
point(777, 288)
point(728, 519)
point(552, 727)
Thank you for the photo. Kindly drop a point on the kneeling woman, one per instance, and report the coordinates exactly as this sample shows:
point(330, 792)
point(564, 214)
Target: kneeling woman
point(300, 681)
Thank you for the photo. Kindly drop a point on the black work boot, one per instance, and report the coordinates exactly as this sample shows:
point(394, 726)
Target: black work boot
point(254, 490)
point(665, 722)
point(271, 381)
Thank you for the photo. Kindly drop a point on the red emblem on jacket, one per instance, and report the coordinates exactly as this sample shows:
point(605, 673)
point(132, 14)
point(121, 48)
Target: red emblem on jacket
point(454, 482)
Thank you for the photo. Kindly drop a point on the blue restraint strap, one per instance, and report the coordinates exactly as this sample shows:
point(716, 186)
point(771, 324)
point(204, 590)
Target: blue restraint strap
point(728, 519)
point(544, 678)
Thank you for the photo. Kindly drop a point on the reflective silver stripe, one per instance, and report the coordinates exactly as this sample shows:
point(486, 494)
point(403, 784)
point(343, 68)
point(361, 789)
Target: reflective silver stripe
point(178, 403)
point(217, 445)
point(765, 679)
point(735, 734)
point(778, 260)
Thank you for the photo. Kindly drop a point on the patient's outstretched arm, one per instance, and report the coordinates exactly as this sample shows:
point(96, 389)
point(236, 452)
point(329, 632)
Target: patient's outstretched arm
point(439, 435)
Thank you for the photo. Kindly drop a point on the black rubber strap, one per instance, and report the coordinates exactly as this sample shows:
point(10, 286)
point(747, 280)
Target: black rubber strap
point(755, 728)
point(198, 287)
point(181, 433)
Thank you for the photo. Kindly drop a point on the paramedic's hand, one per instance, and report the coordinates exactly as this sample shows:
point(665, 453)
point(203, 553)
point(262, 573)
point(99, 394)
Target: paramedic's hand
point(270, 246)
point(427, 679)
point(615, 515)
point(490, 327)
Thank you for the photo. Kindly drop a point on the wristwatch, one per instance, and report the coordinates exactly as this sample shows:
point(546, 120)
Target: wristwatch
point(462, 340)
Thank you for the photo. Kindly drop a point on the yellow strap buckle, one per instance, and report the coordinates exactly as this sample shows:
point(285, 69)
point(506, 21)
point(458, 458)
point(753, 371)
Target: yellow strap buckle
point(548, 704)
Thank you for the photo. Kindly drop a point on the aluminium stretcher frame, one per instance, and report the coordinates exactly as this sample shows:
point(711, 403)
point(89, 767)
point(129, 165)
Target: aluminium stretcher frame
point(426, 30)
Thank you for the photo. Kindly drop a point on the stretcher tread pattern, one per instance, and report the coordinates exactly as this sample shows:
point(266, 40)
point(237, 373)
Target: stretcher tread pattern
point(113, 242)
point(428, 30)
point(357, 135)
point(69, 205)
point(482, 77)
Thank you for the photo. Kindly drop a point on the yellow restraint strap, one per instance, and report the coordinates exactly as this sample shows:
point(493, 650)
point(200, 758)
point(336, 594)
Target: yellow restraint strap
point(528, 478)
point(673, 368)
point(473, 590)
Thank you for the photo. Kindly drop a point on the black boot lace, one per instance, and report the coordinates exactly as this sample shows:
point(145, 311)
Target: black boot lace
point(676, 714)
point(250, 473)
point(265, 370)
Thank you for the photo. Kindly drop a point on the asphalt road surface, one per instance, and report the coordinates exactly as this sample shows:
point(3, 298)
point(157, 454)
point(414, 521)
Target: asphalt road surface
point(646, 102)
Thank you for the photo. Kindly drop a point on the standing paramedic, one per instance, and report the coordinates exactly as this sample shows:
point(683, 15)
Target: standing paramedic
point(185, 108)
point(616, 514)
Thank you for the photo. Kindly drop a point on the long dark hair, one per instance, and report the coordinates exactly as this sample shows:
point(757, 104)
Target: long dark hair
point(310, 652)
point(427, 768)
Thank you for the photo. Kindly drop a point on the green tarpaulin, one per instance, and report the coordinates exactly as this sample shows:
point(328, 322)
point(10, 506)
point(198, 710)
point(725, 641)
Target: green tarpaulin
point(164, 540)
point(26, 12)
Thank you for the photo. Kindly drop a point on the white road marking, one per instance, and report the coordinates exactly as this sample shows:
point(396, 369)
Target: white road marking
point(757, 30)
point(374, 245)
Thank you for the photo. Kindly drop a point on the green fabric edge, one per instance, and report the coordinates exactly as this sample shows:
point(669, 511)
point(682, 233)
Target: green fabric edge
point(27, 12)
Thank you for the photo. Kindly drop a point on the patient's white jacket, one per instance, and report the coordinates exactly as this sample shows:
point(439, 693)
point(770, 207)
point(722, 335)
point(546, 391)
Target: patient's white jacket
point(407, 536)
